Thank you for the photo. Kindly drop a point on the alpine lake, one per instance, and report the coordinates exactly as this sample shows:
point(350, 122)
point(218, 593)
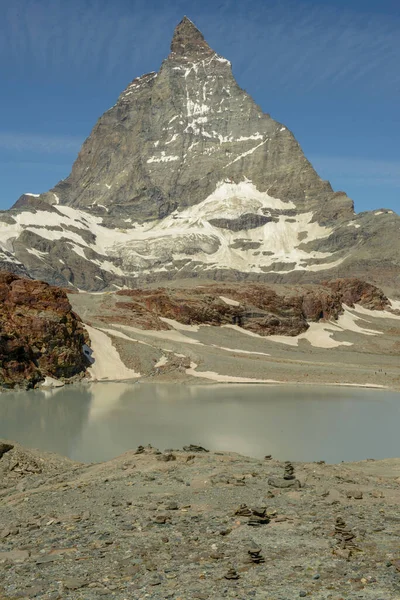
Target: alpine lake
point(98, 421)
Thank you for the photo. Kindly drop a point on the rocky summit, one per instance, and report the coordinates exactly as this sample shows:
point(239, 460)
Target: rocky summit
point(185, 176)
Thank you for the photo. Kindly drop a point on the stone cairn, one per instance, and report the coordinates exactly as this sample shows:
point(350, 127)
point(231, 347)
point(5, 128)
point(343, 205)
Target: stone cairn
point(243, 511)
point(194, 448)
point(257, 516)
point(344, 536)
point(288, 480)
point(232, 574)
point(254, 552)
point(289, 471)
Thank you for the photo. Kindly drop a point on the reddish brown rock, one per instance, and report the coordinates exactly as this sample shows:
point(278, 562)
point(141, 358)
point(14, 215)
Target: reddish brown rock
point(355, 291)
point(40, 335)
point(255, 307)
point(260, 309)
point(320, 305)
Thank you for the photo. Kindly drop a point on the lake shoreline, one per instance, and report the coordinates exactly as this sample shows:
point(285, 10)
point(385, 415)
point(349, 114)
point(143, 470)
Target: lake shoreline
point(198, 381)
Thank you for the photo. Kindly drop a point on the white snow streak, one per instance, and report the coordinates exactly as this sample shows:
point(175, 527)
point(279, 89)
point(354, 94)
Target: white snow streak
point(162, 158)
point(246, 153)
point(224, 378)
point(107, 362)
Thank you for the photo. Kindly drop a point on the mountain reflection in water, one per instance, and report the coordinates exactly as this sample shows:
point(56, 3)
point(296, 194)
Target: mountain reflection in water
point(98, 421)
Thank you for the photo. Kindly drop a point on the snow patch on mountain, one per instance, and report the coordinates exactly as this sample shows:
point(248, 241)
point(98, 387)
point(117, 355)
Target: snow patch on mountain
point(191, 234)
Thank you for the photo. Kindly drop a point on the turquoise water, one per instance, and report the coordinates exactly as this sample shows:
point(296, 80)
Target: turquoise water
point(99, 421)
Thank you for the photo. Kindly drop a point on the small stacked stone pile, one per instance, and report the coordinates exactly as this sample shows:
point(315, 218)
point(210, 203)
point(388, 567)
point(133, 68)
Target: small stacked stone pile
point(289, 471)
point(243, 511)
point(232, 574)
point(254, 552)
point(194, 448)
point(257, 516)
point(288, 481)
point(344, 536)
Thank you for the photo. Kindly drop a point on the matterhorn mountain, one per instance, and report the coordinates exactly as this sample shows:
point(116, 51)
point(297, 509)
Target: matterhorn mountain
point(185, 176)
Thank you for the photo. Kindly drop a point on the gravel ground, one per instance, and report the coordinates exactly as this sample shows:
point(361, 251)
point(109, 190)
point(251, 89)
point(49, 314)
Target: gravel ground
point(191, 524)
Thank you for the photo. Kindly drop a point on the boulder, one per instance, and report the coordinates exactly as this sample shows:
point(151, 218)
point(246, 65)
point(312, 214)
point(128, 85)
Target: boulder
point(40, 335)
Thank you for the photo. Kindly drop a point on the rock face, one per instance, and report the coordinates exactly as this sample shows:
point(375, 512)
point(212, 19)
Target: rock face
point(175, 136)
point(254, 307)
point(354, 291)
point(186, 176)
point(39, 334)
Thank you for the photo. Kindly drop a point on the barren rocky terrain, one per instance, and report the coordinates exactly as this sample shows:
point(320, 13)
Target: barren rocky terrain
point(284, 334)
point(190, 524)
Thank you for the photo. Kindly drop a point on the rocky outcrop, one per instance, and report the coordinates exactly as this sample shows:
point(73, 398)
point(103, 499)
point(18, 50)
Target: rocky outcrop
point(40, 335)
point(255, 307)
point(354, 291)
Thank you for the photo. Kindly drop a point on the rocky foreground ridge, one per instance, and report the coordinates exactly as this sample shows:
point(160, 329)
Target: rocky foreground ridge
point(185, 176)
point(40, 335)
point(198, 525)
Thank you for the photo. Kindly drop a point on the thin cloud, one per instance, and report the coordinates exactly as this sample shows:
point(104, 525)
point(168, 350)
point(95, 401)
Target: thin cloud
point(47, 144)
point(305, 48)
point(296, 45)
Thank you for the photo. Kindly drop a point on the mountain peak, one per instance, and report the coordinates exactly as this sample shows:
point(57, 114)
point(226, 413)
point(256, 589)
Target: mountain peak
point(188, 40)
point(185, 177)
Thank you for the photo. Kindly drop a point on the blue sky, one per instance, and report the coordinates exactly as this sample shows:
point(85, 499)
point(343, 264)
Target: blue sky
point(327, 69)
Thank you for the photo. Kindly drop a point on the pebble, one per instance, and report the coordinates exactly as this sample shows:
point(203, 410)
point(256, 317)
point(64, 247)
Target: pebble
point(155, 579)
point(256, 521)
point(160, 519)
point(9, 531)
point(15, 555)
point(72, 583)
